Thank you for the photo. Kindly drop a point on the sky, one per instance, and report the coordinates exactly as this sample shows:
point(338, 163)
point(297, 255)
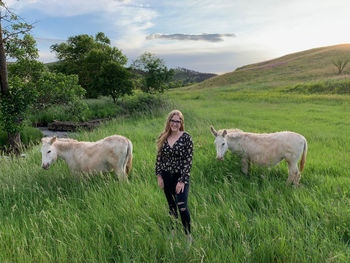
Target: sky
point(202, 35)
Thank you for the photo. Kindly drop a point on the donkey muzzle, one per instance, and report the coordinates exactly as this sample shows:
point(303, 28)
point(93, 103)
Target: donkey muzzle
point(45, 166)
point(220, 158)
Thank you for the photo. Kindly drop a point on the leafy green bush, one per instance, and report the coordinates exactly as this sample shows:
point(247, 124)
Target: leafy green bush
point(100, 108)
point(53, 89)
point(31, 135)
point(58, 97)
point(26, 69)
point(92, 109)
point(28, 135)
point(141, 103)
point(13, 106)
point(72, 111)
point(333, 86)
point(176, 84)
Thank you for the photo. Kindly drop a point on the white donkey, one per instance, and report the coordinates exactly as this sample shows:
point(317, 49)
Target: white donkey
point(266, 149)
point(111, 153)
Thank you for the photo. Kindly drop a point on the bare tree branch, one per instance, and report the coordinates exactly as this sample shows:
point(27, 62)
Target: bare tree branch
point(8, 36)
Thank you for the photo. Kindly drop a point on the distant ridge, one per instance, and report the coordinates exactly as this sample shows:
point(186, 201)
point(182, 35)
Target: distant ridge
point(188, 76)
point(309, 65)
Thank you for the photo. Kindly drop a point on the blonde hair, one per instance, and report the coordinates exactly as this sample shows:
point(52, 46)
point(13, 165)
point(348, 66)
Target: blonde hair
point(167, 131)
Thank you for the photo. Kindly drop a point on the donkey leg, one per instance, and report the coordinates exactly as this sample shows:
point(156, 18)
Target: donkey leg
point(117, 164)
point(290, 174)
point(293, 173)
point(297, 178)
point(289, 180)
point(120, 174)
point(245, 165)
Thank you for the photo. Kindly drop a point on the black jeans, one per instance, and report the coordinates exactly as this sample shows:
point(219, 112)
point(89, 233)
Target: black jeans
point(177, 200)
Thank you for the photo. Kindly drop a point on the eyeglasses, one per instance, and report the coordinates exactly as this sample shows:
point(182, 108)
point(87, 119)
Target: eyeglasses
point(175, 121)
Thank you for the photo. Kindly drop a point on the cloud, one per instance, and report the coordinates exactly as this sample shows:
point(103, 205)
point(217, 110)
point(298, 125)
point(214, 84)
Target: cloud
point(67, 8)
point(220, 62)
point(41, 40)
point(201, 37)
point(131, 25)
point(47, 56)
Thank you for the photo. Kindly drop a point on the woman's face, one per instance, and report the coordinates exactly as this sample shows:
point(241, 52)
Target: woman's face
point(175, 123)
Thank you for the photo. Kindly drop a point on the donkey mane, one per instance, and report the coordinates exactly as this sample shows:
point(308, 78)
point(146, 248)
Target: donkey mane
point(48, 139)
point(65, 143)
point(229, 131)
point(66, 140)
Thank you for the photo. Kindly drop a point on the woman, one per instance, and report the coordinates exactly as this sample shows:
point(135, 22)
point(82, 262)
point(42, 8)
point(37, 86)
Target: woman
point(173, 166)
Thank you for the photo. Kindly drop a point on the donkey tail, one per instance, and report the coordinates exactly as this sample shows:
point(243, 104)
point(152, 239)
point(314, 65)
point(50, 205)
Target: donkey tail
point(128, 158)
point(303, 158)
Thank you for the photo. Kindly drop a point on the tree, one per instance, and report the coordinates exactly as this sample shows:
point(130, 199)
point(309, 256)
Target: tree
point(27, 70)
point(156, 73)
point(340, 64)
point(56, 88)
point(85, 56)
point(47, 88)
point(16, 43)
point(115, 80)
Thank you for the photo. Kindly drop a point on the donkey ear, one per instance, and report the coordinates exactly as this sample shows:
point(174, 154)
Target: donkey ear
point(224, 133)
point(213, 131)
point(52, 140)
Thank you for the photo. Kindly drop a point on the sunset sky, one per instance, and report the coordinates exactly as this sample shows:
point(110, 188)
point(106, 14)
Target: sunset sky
point(202, 35)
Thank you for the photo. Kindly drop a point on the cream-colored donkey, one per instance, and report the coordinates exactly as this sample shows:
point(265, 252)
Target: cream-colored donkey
point(266, 149)
point(111, 153)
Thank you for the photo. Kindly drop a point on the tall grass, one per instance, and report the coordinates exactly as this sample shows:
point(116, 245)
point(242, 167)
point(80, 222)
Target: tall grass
point(56, 216)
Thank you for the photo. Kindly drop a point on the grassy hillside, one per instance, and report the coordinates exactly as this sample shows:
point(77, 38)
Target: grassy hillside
point(56, 216)
point(309, 65)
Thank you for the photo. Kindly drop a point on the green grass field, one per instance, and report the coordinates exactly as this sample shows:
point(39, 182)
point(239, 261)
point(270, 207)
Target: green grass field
point(56, 216)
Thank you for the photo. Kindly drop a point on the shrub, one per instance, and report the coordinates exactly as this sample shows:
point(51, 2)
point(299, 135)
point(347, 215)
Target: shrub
point(101, 108)
point(14, 105)
point(31, 135)
point(141, 103)
point(54, 89)
point(28, 135)
point(333, 86)
point(72, 111)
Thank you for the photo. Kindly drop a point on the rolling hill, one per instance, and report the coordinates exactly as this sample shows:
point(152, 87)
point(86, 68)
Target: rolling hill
point(310, 65)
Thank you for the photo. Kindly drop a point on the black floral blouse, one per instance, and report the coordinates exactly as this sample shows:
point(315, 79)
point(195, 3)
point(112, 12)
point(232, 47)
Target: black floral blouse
point(176, 159)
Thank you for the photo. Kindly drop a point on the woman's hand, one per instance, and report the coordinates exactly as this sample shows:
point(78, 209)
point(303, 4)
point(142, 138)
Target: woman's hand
point(180, 187)
point(160, 182)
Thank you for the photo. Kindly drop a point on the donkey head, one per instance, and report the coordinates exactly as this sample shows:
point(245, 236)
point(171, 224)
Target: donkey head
point(48, 152)
point(220, 142)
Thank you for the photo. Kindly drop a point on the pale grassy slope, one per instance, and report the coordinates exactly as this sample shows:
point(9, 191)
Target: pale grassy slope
point(309, 65)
